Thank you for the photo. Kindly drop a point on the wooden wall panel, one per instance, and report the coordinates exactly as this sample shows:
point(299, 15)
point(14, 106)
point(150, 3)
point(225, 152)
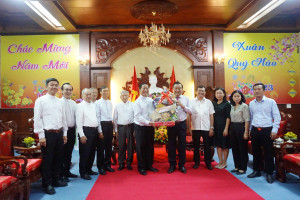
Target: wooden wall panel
point(100, 78)
point(106, 47)
point(203, 77)
point(84, 51)
point(219, 76)
point(20, 116)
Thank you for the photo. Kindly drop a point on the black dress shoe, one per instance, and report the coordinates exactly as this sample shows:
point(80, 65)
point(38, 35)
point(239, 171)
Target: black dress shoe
point(65, 179)
point(235, 170)
point(59, 183)
point(182, 169)
point(208, 166)
point(102, 172)
point(152, 169)
point(143, 172)
point(171, 169)
point(121, 166)
point(129, 167)
point(50, 190)
point(240, 172)
point(270, 178)
point(109, 169)
point(196, 166)
point(86, 177)
point(70, 175)
point(254, 174)
point(92, 172)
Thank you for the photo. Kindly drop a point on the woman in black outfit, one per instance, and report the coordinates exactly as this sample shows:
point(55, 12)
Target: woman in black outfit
point(221, 124)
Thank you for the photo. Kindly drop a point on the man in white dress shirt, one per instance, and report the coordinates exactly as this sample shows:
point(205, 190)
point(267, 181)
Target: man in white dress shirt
point(179, 130)
point(94, 94)
point(144, 132)
point(51, 125)
point(70, 109)
point(94, 97)
point(104, 110)
point(124, 127)
point(87, 128)
point(202, 126)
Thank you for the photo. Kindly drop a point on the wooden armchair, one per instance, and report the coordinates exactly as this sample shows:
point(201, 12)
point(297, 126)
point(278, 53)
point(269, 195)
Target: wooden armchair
point(29, 168)
point(288, 160)
point(11, 187)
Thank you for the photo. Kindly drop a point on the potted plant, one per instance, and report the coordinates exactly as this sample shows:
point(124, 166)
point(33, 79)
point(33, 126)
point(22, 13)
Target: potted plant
point(290, 136)
point(29, 142)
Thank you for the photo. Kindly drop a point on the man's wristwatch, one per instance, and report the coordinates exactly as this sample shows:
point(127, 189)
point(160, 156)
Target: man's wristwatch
point(212, 127)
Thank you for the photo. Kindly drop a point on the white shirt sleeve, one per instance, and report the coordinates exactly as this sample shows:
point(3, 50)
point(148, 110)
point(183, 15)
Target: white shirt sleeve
point(138, 114)
point(188, 108)
point(115, 118)
point(38, 121)
point(64, 120)
point(98, 113)
point(79, 120)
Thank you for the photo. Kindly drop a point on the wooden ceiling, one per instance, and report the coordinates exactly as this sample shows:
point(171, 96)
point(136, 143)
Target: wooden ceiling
point(114, 15)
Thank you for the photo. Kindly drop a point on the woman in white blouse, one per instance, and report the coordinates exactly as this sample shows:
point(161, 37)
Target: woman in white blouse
point(239, 131)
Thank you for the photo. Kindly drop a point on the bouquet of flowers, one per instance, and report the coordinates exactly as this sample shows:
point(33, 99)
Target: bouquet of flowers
point(164, 114)
point(161, 134)
point(290, 136)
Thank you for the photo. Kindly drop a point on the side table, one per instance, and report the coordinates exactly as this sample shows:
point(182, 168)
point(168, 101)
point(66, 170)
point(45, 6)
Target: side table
point(29, 152)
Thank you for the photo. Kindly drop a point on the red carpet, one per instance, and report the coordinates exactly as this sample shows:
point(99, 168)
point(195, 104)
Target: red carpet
point(196, 184)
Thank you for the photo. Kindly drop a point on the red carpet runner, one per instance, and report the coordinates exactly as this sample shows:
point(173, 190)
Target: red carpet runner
point(196, 184)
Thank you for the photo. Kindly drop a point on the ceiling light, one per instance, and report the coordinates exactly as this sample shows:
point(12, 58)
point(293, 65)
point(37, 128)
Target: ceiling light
point(154, 36)
point(154, 10)
point(45, 14)
point(261, 13)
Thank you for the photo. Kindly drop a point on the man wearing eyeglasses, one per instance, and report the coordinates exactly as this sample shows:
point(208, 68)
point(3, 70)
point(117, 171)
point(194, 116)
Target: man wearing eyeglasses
point(70, 111)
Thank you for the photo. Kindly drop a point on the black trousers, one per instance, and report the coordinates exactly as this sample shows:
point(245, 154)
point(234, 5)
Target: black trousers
point(86, 150)
point(144, 136)
point(239, 145)
point(68, 149)
point(52, 156)
point(179, 130)
point(207, 147)
point(261, 138)
point(104, 146)
point(125, 132)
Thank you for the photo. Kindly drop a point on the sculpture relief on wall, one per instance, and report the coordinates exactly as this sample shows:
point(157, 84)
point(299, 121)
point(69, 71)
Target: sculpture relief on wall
point(106, 47)
point(161, 80)
point(196, 46)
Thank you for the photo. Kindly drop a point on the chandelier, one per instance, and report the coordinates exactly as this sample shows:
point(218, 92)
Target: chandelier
point(154, 10)
point(154, 36)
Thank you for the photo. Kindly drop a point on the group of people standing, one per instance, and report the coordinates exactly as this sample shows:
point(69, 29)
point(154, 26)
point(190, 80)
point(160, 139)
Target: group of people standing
point(220, 123)
point(230, 124)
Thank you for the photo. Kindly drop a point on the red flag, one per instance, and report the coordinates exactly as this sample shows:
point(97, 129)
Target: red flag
point(135, 88)
point(173, 79)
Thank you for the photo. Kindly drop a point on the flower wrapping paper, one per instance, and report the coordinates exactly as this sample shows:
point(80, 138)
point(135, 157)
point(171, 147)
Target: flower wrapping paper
point(165, 109)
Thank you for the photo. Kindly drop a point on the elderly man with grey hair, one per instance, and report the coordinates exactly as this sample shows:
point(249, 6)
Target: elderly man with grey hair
point(124, 127)
point(87, 128)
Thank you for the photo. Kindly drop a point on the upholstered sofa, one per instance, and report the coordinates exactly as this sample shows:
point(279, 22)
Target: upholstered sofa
point(288, 160)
